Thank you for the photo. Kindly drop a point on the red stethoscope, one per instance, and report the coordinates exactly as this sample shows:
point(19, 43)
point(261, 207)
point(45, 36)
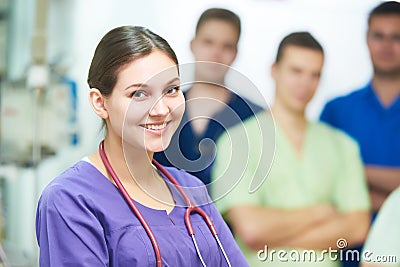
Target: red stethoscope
point(191, 208)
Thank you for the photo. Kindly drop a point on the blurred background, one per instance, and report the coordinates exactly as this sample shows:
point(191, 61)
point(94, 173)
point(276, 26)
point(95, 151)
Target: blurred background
point(46, 123)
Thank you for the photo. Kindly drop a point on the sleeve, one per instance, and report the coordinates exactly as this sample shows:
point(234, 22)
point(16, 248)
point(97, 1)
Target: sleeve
point(351, 190)
point(383, 242)
point(68, 232)
point(228, 242)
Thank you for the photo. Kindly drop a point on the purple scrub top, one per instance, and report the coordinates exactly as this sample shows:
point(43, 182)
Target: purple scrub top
point(82, 220)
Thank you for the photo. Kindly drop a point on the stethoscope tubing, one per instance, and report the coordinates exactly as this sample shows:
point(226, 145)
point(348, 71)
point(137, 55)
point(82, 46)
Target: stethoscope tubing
point(190, 205)
point(131, 204)
point(191, 208)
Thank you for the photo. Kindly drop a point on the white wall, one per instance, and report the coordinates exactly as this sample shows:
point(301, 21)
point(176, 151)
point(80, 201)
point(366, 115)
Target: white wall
point(340, 26)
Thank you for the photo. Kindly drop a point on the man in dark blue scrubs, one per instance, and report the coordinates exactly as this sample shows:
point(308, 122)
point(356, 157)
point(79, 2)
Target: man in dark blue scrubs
point(211, 107)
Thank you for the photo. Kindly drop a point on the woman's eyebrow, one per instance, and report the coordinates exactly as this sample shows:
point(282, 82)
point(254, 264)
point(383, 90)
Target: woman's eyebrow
point(173, 80)
point(136, 85)
point(143, 85)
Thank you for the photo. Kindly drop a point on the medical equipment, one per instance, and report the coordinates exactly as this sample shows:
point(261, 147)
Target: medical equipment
point(3, 258)
point(191, 208)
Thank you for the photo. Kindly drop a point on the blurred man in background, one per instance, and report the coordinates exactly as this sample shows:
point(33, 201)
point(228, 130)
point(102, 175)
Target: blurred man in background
point(315, 197)
point(210, 106)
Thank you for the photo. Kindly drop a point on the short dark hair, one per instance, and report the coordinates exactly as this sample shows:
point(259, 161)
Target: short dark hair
point(385, 8)
point(219, 14)
point(119, 47)
point(302, 39)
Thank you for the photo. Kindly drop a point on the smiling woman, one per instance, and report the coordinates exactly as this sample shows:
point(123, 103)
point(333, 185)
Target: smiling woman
point(114, 207)
point(146, 96)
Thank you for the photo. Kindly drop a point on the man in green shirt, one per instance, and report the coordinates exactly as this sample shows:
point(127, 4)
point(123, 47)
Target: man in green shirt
point(314, 201)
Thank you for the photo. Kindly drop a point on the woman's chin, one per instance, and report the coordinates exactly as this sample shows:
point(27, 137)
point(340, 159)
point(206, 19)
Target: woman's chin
point(157, 147)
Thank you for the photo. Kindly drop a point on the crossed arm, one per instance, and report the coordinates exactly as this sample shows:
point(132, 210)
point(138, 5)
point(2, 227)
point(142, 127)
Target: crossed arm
point(314, 227)
point(382, 181)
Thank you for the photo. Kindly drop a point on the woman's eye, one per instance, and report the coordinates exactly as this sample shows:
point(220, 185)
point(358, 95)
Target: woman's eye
point(138, 94)
point(172, 90)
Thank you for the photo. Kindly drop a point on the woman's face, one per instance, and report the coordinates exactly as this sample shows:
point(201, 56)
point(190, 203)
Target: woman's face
point(146, 105)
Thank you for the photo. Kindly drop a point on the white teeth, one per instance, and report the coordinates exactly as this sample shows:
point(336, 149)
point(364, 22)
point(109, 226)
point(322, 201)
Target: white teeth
point(155, 127)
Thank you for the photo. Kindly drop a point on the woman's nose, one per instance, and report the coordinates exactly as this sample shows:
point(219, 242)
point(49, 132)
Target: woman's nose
point(160, 108)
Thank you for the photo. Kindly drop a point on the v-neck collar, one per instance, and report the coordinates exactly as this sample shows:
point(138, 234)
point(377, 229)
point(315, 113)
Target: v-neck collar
point(143, 208)
point(377, 102)
point(290, 147)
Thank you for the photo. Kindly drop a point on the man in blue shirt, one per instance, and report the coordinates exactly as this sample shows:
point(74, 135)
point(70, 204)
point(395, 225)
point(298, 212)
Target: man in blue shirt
point(371, 115)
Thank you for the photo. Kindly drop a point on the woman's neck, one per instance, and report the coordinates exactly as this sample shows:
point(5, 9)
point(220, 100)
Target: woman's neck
point(136, 173)
point(131, 165)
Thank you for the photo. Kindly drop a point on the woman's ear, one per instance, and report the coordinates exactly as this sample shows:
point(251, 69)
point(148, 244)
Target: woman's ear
point(97, 101)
